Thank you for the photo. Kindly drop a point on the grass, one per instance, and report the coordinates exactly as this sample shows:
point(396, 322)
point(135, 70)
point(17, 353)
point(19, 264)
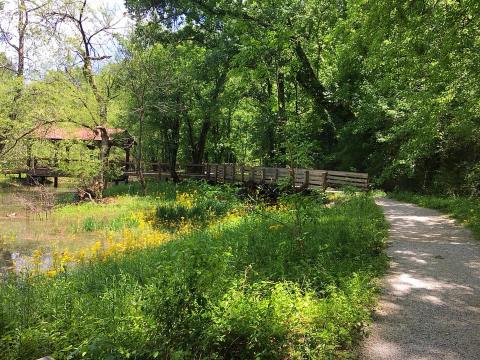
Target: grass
point(292, 281)
point(464, 209)
point(197, 203)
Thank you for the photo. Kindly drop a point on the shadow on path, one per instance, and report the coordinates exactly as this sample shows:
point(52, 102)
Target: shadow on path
point(430, 308)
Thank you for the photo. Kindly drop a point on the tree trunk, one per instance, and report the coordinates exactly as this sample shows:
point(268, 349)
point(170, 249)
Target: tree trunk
point(140, 154)
point(22, 28)
point(198, 149)
point(173, 136)
point(22, 24)
point(335, 114)
point(282, 112)
point(270, 129)
point(104, 153)
point(102, 115)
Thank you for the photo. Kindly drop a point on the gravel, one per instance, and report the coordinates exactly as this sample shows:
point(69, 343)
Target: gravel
point(430, 308)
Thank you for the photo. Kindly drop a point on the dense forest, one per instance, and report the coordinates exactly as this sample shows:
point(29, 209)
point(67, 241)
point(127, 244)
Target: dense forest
point(385, 87)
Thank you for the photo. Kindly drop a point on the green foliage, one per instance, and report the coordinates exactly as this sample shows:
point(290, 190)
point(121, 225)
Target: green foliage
point(464, 209)
point(384, 87)
point(250, 287)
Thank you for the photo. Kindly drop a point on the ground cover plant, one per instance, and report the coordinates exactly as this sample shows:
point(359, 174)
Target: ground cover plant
point(295, 280)
point(464, 209)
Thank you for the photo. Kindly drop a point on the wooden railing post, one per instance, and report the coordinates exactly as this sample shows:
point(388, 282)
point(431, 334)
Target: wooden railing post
point(276, 175)
point(216, 173)
point(263, 175)
point(307, 179)
point(242, 171)
point(252, 174)
point(208, 172)
point(234, 169)
point(224, 173)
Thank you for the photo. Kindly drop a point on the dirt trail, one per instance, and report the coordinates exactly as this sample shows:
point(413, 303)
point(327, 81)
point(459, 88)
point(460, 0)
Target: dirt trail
point(430, 308)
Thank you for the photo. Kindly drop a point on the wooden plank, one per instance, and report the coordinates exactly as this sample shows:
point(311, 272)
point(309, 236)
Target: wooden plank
point(317, 178)
point(317, 173)
point(317, 182)
point(339, 178)
point(348, 174)
point(337, 182)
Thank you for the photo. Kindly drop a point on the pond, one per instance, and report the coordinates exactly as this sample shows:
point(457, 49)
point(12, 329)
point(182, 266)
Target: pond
point(27, 223)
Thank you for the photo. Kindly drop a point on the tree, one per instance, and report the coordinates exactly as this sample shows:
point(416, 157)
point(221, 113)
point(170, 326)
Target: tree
point(82, 26)
point(21, 22)
point(157, 85)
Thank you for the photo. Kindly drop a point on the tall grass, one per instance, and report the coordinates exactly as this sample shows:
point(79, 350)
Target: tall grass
point(295, 281)
point(464, 209)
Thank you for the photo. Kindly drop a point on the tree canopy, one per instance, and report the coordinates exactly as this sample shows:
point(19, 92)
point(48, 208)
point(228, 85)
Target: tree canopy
point(386, 87)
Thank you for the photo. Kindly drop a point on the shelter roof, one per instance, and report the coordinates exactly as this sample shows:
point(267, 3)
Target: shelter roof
point(82, 134)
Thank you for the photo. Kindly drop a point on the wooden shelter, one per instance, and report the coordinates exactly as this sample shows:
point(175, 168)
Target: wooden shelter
point(91, 137)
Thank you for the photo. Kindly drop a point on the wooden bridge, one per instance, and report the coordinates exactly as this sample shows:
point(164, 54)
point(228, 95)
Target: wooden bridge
point(234, 173)
point(222, 173)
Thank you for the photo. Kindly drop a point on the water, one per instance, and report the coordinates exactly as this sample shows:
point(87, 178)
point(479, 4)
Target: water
point(27, 223)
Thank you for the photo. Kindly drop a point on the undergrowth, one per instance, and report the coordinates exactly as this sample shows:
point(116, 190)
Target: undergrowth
point(291, 281)
point(465, 209)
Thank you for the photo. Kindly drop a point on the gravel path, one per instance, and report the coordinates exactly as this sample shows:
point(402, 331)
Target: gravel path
point(430, 308)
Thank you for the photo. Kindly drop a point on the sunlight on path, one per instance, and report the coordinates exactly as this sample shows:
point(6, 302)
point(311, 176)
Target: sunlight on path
point(430, 308)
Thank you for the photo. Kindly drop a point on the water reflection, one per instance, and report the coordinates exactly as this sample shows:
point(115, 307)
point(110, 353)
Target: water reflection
point(27, 223)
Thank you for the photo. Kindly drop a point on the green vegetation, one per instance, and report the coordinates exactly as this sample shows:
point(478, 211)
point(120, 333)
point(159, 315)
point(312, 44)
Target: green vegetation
point(465, 209)
point(385, 87)
point(296, 280)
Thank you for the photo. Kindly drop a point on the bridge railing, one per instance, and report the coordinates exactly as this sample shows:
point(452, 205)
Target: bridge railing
point(221, 173)
point(232, 173)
